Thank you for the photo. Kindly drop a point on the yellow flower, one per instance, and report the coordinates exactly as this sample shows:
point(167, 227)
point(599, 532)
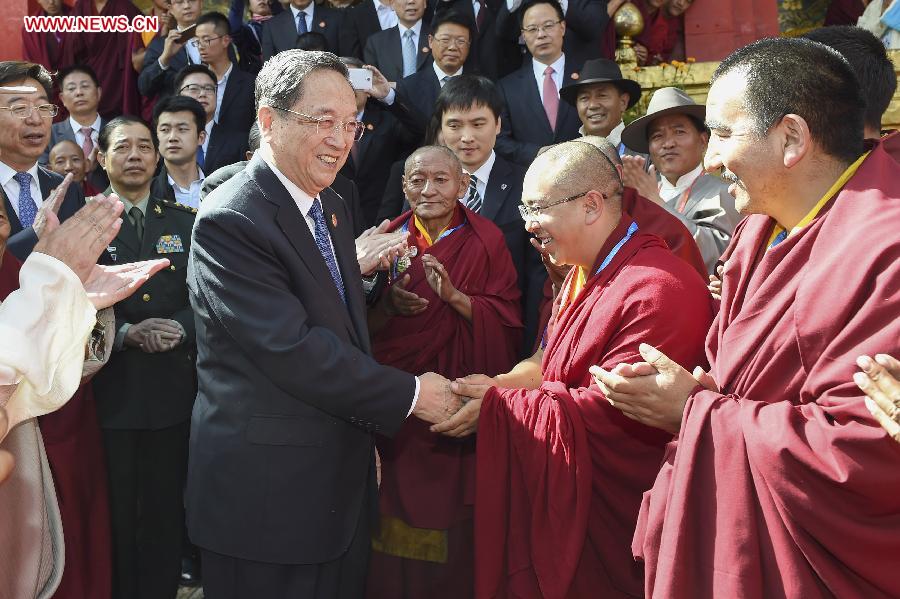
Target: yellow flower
point(691, 60)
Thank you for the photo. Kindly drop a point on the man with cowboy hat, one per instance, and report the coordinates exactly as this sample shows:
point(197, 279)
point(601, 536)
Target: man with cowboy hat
point(601, 96)
point(674, 135)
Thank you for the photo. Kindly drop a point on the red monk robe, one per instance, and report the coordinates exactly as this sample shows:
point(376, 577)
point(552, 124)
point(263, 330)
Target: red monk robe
point(651, 218)
point(75, 452)
point(784, 485)
point(428, 479)
point(109, 54)
point(560, 471)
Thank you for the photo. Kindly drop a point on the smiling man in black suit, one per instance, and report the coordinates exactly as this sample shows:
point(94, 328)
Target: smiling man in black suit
point(281, 484)
point(281, 31)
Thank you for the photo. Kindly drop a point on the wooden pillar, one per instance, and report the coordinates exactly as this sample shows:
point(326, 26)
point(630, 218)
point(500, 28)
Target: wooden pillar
point(715, 28)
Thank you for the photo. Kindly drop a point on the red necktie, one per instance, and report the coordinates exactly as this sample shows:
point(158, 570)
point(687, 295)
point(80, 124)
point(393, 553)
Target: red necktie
point(87, 146)
point(551, 97)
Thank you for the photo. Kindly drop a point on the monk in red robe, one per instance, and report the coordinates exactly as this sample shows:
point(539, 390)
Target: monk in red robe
point(560, 472)
point(453, 308)
point(781, 483)
point(109, 54)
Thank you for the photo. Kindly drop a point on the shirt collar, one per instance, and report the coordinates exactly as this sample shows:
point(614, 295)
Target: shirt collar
point(417, 28)
point(381, 7)
point(303, 200)
point(308, 10)
point(683, 182)
point(209, 128)
point(614, 137)
point(484, 171)
point(76, 126)
point(559, 67)
point(141, 205)
point(441, 74)
point(199, 179)
point(224, 79)
point(7, 173)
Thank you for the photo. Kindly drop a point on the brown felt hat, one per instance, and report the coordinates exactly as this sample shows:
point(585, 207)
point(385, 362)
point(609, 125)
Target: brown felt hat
point(600, 70)
point(666, 100)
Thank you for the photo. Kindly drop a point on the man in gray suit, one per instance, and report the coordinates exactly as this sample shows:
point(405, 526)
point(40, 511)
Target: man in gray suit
point(402, 50)
point(674, 135)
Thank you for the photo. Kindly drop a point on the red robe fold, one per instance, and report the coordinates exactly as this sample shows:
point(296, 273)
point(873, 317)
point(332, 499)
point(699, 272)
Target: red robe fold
point(428, 479)
point(652, 218)
point(661, 33)
point(784, 485)
point(109, 54)
point(75, 452)
point(560, 472)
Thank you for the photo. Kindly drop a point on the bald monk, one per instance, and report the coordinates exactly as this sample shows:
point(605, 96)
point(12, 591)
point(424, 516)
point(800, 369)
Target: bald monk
point(560, 472)
point(452, 308)
point(68, 157)
point(781, 483)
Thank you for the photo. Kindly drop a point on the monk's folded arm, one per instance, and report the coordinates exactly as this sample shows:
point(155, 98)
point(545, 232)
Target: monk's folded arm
point(526, 374)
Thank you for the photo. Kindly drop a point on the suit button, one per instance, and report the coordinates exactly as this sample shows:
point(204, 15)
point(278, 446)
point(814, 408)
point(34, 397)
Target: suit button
point(172, 267)
point(146, 297)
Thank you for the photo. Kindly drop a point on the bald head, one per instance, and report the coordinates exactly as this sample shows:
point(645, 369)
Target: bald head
point(67, 157)
point(443, 151)
point(575, 166)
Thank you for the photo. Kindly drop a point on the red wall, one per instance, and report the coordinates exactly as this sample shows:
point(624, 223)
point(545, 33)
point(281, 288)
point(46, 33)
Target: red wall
point(714, 28)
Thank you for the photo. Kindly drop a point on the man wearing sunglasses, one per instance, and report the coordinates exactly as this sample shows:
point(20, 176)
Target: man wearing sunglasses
point(25, 123)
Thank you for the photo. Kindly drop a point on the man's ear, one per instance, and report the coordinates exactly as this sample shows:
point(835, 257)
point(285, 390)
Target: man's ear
point(593, 206)
point(101, 159)
point(463, 184)
point(796, 139)
point(201, 139)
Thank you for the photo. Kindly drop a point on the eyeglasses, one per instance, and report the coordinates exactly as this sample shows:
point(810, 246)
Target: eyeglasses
point(532, 213)
point(198, 89)
point(351, 128)
point(23, 111)
point(203, 42)
point(446, 42)
point(545, 27)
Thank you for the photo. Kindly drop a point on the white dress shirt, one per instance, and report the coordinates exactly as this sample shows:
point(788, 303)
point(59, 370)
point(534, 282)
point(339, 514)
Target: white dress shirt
point(513, 5)
point(614, 137)
point(387, 18)
point(441, 74)
point(193, 52)
point(11, 186)
point(417, 31)
point(220, 91)
point(79, 137)
point(191, 195)
point(670, 193)
point(304, 202)
point(205, 144)
point(483, 173)
point(307, 15)
point(559, 69)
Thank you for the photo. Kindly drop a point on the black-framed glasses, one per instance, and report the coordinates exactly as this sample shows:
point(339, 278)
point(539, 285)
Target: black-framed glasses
point(546, 27)
point(198, 89)
point(349, 128)
point(531, 213)
point(23, 111)
point(198, 42)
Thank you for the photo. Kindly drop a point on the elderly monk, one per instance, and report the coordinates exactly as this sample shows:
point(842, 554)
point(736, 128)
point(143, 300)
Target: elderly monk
point(452, 307)
point(781, 483)
point(560, 472)
point(68, 157)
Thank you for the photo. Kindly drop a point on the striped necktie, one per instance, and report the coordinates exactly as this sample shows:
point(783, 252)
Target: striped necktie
point(473, 200)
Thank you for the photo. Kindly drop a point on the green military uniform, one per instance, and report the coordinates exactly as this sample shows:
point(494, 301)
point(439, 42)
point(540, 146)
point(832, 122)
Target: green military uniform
point(144, 402)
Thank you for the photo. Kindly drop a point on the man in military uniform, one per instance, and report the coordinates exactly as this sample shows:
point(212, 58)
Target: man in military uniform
point(146, 393)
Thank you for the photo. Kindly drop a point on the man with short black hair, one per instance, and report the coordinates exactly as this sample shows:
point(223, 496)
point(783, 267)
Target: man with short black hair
point(809, 285)
point(871, 65)
point(178, 122)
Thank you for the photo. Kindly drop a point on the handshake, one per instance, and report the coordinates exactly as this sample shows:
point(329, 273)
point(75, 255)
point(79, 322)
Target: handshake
point(451, 406)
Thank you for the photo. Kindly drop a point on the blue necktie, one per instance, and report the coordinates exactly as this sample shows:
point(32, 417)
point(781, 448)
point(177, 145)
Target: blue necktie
point(322, 242)
point(27, 208)
point(301, 23)
point(409, 53)
point(201, 157)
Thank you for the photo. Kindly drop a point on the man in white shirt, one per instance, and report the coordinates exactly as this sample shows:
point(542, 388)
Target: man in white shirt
point(674, 135)
point(400, 51)
point(363, 20)
point(179, 125)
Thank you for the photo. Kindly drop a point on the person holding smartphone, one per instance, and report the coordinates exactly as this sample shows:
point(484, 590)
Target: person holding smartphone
point(167, 55)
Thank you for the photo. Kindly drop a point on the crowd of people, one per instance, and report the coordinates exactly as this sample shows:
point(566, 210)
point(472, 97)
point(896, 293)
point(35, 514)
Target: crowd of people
point(451, 329)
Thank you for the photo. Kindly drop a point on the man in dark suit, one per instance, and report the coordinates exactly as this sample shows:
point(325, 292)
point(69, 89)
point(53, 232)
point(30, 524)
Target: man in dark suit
point(178, 122)
point(26, 123)
point(223, 145)
point(80, 93)
point(490, 55)
point(234, 87)
point(247, 35)
point(166, 56)
point(469, 109)
point(585, 20)
point(145, 393)
point(402, 50)
point(282, 485)
point(534, 116)
point(281, 32)
point(363, 20)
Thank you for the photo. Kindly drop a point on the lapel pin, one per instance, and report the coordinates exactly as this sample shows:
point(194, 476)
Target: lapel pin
point(157, 209)
point(322, 24)
point(369, 126)
point(574, 76)
point(424, 50)
point(503, 186)
point(334, 220)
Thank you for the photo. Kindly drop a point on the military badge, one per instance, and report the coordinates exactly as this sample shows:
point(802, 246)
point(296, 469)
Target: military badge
point(169, 244)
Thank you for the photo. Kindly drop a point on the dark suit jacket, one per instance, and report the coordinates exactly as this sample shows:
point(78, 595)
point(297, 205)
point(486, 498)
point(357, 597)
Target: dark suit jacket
point(238, 102)
point(384, 50)
point(62, 131)
point(22, 241)
point(524, 125)
point(383, 142)
point(280, 32)
point(226, 146)
point(360, 22)
point(159, 187)
point(586, 22)
point(414, 101)
point(153, 80)
point(492, 55)
point(137, 390)
point(282, 452)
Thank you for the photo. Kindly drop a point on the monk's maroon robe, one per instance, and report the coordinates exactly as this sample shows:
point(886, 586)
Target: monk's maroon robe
point(560, 472)
point(427, 478)
point(783, 485)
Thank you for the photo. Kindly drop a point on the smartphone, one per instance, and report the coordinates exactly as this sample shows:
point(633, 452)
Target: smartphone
point(361, 79)
point(187, 34)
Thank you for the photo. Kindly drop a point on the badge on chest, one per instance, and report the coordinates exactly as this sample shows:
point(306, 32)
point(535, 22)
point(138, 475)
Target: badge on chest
point(169, 244)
